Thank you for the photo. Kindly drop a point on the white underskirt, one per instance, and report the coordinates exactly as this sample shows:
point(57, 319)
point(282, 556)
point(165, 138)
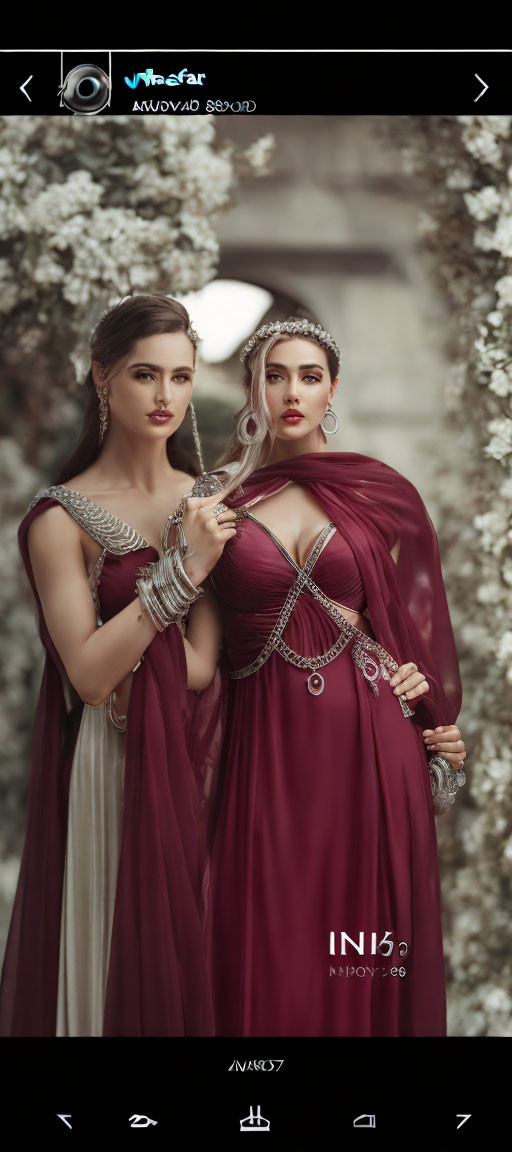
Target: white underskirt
point(90, 876)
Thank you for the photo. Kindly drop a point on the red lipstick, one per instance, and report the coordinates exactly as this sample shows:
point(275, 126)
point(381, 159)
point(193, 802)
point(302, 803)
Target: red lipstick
point(161, 416)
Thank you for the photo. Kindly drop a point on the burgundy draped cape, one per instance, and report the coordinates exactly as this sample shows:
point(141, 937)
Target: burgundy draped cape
point(371, 505)
point(157, 981)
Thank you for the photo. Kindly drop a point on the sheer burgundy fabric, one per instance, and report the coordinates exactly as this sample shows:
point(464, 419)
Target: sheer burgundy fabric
point(325, 820)
point(157, 980)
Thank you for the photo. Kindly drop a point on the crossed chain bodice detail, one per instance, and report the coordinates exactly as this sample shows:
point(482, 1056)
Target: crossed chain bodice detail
point(370, 657)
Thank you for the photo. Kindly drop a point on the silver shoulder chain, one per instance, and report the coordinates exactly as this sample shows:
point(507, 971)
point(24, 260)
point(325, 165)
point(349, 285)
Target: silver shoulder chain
point(108, 530)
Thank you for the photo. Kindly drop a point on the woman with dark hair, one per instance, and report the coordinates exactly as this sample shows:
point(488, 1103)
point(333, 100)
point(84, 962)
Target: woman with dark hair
point(324, 910)
point(106, 931)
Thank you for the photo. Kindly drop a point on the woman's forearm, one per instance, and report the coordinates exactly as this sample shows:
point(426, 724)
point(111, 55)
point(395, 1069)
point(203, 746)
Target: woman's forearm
point(112, 652)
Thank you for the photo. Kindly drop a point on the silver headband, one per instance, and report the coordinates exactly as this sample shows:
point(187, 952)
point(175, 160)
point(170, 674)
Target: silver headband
point(191, 332)
point(291, 328)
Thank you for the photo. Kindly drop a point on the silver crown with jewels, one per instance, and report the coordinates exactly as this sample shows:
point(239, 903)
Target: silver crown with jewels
point(291, 328)
point(191, 332)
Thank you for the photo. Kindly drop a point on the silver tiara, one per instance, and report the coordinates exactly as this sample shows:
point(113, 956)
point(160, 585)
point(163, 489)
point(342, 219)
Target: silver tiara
point(292, 328)
point(191, 332)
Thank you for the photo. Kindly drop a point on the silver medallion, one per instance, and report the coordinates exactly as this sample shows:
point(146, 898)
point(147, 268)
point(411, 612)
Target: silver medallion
point(315, 683)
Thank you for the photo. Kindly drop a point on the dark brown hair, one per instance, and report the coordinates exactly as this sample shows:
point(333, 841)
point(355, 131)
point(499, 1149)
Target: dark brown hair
point(112, 339)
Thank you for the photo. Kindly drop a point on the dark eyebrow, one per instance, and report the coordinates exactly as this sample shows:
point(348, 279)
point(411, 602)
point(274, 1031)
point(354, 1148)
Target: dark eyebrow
point(301, 366)
point(156, 367)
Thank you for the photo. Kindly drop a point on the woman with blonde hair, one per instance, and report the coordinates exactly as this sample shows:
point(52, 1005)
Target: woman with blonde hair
point(106, 935)
point(324, 909)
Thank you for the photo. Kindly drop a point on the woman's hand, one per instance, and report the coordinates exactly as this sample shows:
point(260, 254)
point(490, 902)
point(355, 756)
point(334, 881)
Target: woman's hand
point(206, 534)
point(448, 741)
point(409, 682)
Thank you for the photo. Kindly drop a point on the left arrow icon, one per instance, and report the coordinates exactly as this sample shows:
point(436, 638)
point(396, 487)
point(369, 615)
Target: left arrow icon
point(22, 89)
point(65, 1116)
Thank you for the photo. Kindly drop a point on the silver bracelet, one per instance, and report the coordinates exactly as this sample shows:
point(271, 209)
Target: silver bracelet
point(178, 564)
point(165, 591)
point(150, 603)
point(118, 722)
point(176, 592)
point(445, 782)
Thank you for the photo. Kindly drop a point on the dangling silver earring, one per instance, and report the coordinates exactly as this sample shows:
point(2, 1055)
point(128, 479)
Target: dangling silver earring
point(104, 412)
point(197, 441)
point(330, 431)
point(243, 434)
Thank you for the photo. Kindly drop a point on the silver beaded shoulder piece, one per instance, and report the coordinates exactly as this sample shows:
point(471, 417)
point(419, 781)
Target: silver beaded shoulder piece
point(209, 482)
point(108, 530)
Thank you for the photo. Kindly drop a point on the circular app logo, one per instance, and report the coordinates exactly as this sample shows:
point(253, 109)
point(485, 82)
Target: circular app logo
point(86, 90)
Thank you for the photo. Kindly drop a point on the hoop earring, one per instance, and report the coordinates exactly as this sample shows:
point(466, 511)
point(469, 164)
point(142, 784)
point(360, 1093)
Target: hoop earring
point(104, 412)
point(330, 431)
point(197, 441)
point(242, 433)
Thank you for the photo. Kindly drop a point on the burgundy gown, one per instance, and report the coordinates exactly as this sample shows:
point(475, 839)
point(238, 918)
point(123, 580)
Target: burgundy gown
point(106, 934)
point(326, 821)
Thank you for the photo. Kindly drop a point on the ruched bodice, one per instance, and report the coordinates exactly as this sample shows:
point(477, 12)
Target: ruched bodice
point(252, 579)
point(254, 574)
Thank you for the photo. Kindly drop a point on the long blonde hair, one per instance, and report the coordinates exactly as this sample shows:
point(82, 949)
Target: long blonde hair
point(251, 449)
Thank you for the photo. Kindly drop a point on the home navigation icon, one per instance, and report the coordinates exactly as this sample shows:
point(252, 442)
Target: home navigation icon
point(255, 1122)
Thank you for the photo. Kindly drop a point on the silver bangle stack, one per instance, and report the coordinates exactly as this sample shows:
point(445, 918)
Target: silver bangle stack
point(445, 781)
point(165, 591)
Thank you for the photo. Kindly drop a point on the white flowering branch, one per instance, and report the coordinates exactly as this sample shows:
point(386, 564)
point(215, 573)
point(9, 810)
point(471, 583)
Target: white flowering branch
point(464, 165)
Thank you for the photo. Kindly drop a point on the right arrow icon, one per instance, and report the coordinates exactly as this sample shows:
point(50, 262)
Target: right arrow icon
point(484, 89)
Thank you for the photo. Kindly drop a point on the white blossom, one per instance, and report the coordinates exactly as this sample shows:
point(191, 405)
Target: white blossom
point(459, 178)
point(259, 153)
point(484, 203)
point(501, 443)
point(495, 318)
point(503, 288)
point(501, 382)
point(490, 593)
point(485, 238)
point(503, 235)
point(493, 528)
